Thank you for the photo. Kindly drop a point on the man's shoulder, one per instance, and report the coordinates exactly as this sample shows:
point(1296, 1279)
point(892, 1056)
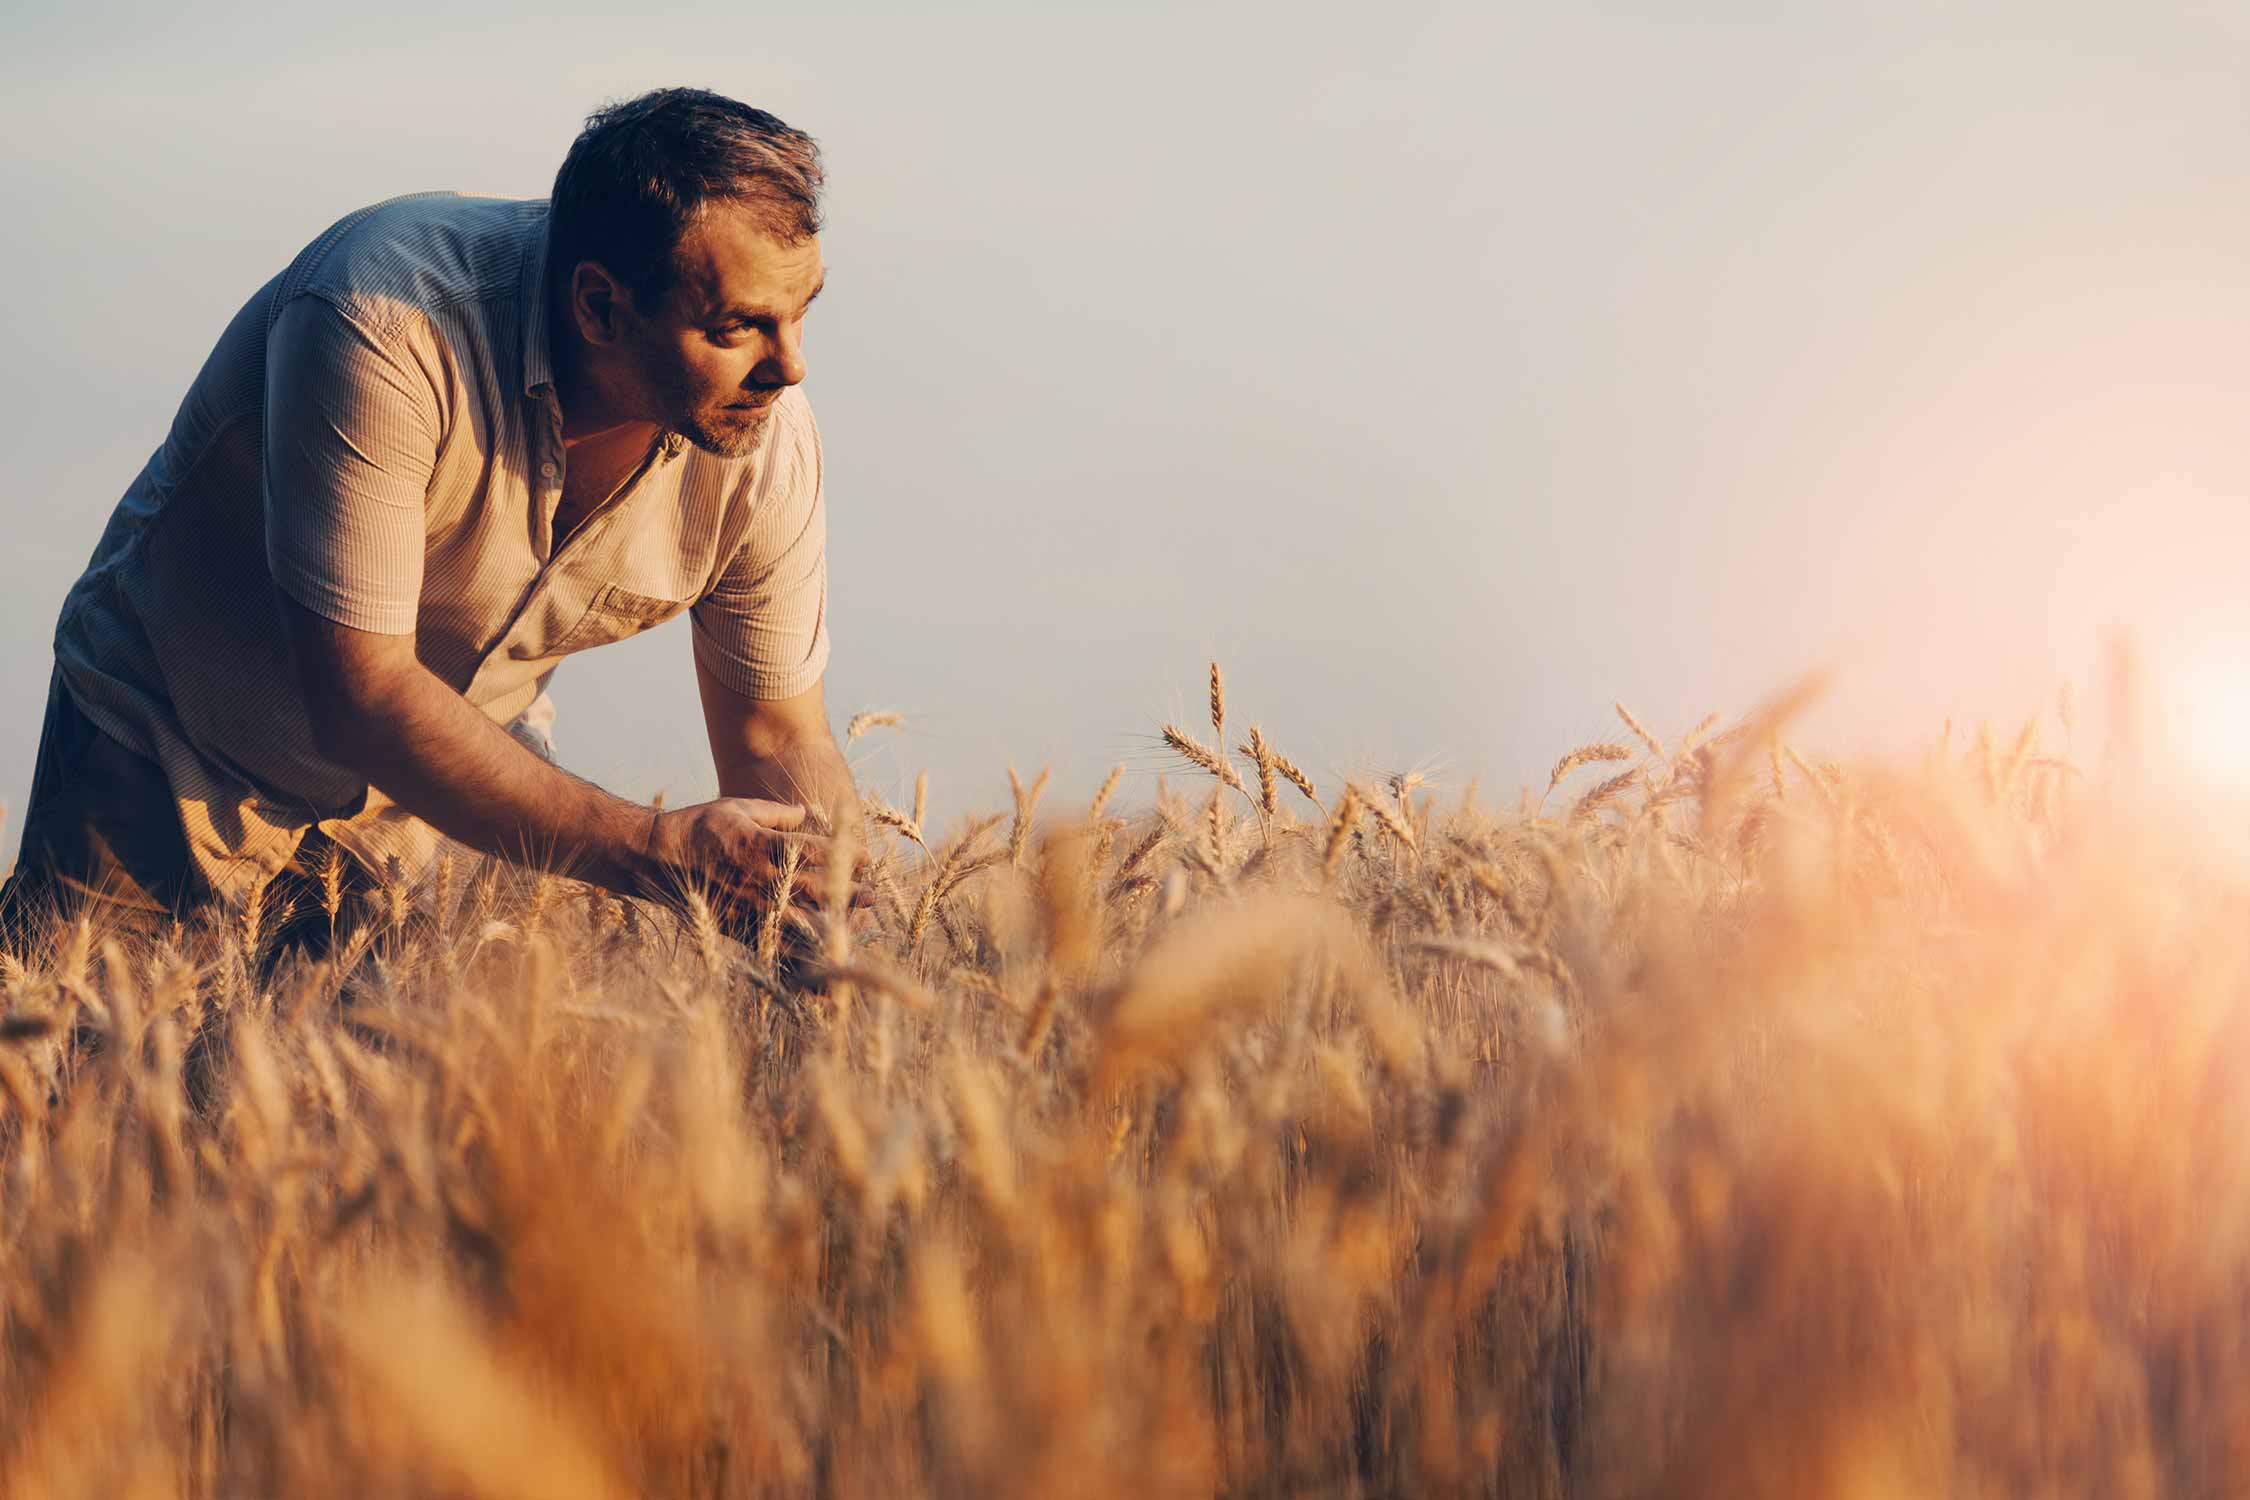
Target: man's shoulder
point(421, 253)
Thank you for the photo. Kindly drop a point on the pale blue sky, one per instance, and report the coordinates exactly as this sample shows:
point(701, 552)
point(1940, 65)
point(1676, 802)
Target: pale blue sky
point(1448, 371)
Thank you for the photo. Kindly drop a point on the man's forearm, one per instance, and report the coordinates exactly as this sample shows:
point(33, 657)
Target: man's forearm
point(442, 760)
point(806, 769)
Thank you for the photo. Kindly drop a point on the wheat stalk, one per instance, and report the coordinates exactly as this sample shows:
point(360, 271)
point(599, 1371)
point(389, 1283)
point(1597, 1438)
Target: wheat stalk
point(703, 922)
point(884, 815)
point(1640, 731)
point(441, 891)
point(1027, 801)
point(1037, 1019)
point(1268, 768)
point(1288, 771)
point(778, 899)
point(397, 896)
point(1212, 844)
point(957, 866)
point(330, 874)
point(1201, 756)
point(1101, 797)
point(1586, 755)
point(1141, 851)
point(1339, 834)
point(1603, 793)
point(1386, 813)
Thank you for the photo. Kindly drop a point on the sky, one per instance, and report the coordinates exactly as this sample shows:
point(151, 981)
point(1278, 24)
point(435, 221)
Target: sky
point(1447, 372)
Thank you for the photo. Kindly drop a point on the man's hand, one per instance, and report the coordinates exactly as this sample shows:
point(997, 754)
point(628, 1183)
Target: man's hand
point(732, 848)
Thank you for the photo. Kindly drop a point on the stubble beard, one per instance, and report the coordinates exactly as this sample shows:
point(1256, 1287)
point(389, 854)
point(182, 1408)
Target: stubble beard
point(704, 420)
point(724, 434)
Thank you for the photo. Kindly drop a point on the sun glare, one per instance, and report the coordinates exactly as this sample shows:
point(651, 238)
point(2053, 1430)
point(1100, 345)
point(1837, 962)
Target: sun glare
point(2207, 715)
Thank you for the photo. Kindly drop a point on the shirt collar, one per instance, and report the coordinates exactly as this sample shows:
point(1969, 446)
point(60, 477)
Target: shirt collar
point(538, 364)
point(538, 367)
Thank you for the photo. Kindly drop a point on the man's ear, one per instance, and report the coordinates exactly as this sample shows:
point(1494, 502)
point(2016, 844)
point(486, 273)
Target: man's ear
point(598, 302)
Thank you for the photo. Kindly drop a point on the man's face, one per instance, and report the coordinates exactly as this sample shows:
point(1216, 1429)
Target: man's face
point(728, 338)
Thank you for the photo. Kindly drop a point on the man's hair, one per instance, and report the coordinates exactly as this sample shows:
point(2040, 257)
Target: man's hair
point(641, 172)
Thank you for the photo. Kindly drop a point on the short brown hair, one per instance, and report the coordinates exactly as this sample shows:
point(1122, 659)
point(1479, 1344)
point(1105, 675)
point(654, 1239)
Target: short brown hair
point(641, 171)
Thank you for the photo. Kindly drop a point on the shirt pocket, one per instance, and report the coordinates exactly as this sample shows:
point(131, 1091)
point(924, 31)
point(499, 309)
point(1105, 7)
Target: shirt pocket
point(614, 614)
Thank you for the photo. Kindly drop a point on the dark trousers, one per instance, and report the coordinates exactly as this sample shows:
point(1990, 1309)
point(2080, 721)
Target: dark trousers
point(102, 838)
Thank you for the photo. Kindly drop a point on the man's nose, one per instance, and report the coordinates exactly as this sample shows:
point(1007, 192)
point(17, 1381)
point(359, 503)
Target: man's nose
point(786, 364)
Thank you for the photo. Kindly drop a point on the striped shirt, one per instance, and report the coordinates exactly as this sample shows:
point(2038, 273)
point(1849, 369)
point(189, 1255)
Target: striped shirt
point(377, 436)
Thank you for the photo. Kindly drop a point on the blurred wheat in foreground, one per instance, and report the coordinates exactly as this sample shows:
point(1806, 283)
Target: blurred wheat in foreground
point(1721, 1123)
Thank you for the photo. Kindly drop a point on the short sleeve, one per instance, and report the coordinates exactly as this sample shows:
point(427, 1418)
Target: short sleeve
point(351, 437)
point(762, 628)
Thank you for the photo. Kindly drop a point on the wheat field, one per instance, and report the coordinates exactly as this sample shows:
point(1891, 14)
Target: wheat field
point(1721, 1121)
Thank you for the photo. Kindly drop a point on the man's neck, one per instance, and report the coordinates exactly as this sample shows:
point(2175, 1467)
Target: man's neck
point(589, 414)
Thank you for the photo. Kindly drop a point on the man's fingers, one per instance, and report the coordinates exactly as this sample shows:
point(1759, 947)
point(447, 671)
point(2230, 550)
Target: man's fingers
point(776, 815)
point(746, 876)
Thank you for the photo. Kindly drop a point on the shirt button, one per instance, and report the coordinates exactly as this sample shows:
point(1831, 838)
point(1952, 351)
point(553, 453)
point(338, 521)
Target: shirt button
point(546, 471)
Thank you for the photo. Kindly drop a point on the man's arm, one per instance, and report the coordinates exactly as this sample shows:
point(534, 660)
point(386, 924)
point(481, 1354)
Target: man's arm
point(779, 749)
point(379, 711)
point(761, 635)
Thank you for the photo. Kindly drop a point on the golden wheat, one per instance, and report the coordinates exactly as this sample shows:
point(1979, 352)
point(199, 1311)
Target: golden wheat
point(1197, 754)
point(1101, 796)
point(1585, 755)
point(1027, 803)
point(1696, 1139)
point(1268, 770)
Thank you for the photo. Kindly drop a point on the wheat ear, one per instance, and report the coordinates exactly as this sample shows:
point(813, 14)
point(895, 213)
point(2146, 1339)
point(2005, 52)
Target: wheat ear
point(1262, 753)
point(1202, 756)
point(1027, 801)
point(1585, 755)
point(1218, 706)
point(1640, 731)
point(1594, 800)
point(1101, 798)
point(1339, 834)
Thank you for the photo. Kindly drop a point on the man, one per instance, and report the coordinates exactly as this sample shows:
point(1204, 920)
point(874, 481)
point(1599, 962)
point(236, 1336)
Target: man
point(456, 440)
